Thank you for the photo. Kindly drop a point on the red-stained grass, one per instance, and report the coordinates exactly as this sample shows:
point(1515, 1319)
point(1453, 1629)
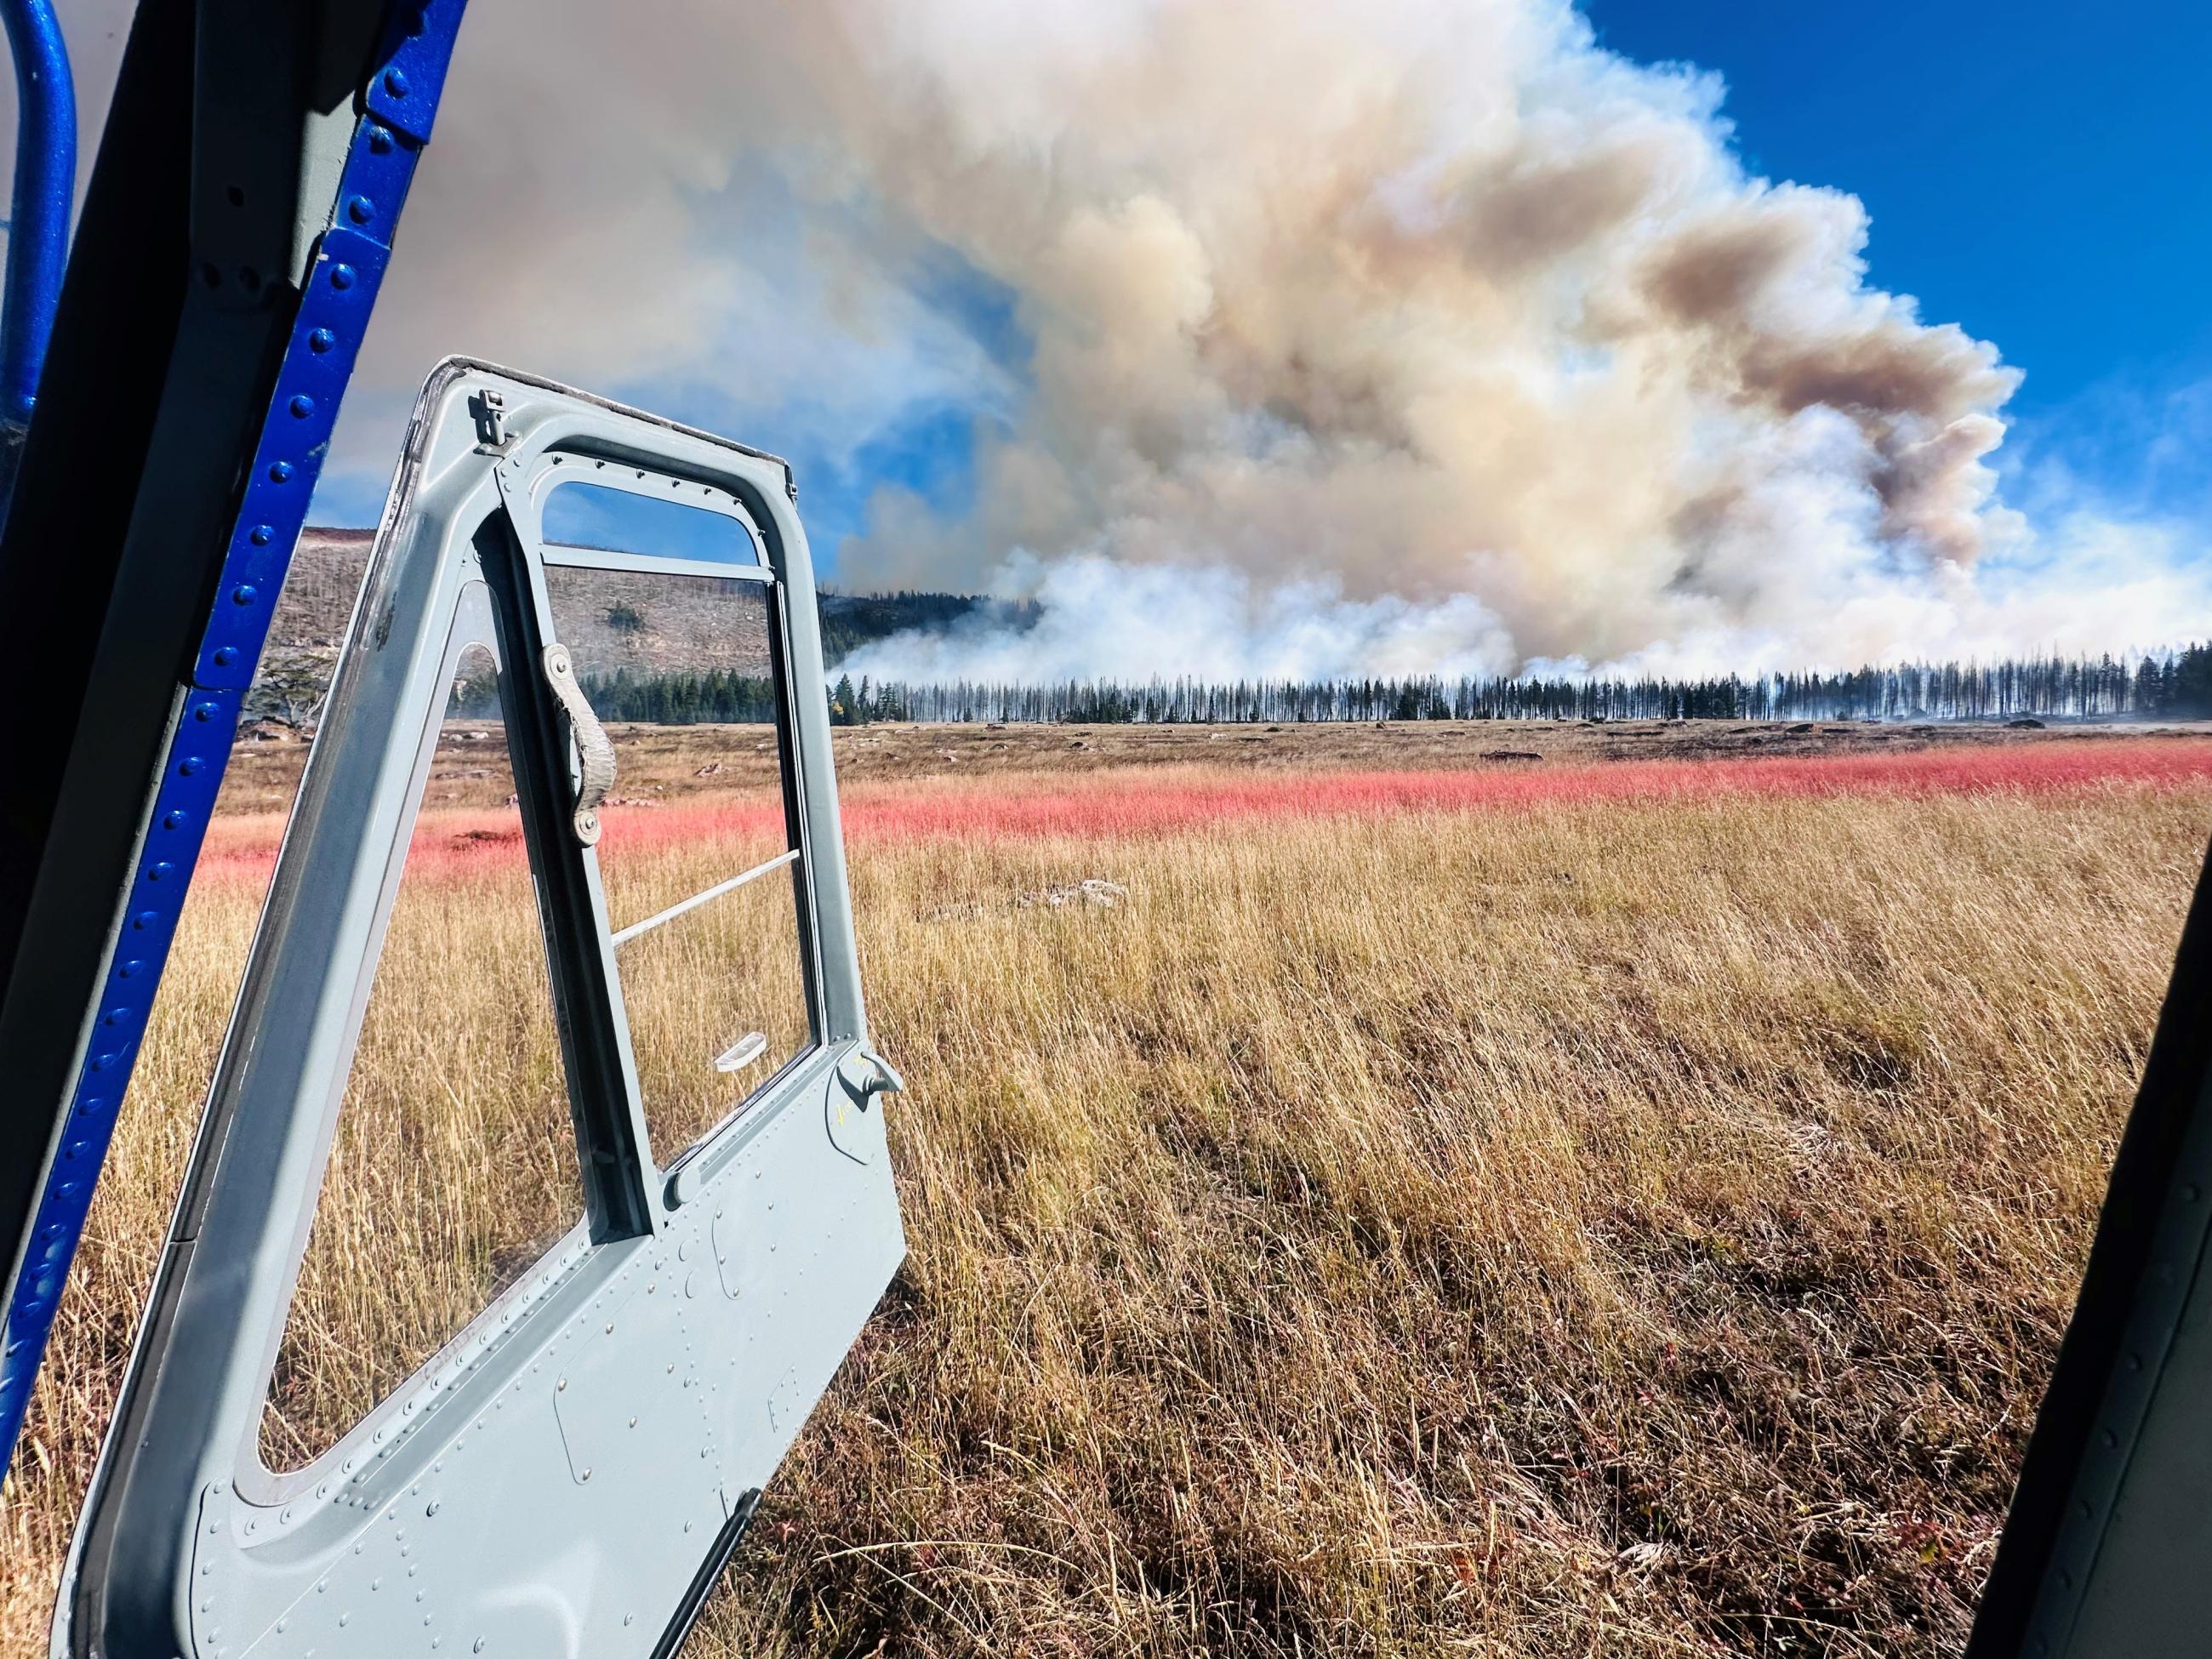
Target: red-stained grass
point(1115, 805)
point(1107, 805)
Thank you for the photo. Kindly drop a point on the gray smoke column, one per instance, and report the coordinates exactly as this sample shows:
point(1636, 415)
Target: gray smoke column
point(1436, 307)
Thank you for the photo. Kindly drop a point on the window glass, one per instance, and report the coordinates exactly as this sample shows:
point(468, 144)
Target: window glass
point(701, 870)
point(591, 516)
point(453, 1165)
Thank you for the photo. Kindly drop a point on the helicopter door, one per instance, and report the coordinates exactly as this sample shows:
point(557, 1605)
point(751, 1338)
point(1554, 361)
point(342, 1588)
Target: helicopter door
point(542, 1186)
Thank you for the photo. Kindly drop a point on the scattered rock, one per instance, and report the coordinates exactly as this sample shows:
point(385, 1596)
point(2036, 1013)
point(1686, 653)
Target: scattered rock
point(959, 910)
point(708, 769)
point(1641, 1558)
point(623, 800)
point(2025, 725)
point(1093, 891)
point(1801, 727)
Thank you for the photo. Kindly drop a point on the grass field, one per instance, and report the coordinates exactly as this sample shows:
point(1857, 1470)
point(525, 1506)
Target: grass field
point(1616, 1204)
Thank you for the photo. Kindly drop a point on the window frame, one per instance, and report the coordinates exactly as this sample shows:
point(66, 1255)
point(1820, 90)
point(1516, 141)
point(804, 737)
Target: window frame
point(558, 467)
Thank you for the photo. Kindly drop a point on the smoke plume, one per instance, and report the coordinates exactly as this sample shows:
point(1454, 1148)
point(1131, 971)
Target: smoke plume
point(1296, 335)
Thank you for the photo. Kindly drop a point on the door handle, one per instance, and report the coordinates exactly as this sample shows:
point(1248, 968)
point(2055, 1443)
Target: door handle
point(597, 773)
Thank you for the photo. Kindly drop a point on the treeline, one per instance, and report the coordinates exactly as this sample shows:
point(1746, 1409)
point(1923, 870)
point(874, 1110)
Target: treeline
point(2177, 686)
point(718, 697)
point(850, 621)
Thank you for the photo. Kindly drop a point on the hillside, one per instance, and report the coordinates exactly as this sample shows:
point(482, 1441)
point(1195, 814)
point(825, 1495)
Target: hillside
point(647, 624)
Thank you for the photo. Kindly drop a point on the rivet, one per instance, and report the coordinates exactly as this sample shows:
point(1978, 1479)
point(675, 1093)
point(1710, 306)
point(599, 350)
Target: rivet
point(243, 593)
point(321, 340)
point(224, 655)
point(360, 209)
point(261, 535)
point(161, 872)
point(279, 471)
point(190, 764)
point(301, 406)
point(116, 1017)
point(342, 276)
point(173, 820)
point(395, 83)
point(379, 140)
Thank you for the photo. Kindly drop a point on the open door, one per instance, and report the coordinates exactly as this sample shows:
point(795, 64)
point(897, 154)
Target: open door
point(547, 1026)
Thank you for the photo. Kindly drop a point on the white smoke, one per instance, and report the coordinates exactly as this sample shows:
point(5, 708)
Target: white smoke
point(1208, 622)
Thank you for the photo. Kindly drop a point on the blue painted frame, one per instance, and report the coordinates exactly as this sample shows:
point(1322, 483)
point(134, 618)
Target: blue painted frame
point(45, 184)
point(398, 103)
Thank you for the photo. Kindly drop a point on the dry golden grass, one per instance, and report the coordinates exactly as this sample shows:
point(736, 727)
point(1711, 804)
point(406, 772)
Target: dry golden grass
point(1563, 1230)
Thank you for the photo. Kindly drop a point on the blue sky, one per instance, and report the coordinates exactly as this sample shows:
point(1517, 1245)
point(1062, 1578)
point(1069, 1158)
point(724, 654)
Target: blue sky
point(2039, 172)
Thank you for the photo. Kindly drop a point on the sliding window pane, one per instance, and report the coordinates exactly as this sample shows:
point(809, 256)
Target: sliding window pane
point(701, 873)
